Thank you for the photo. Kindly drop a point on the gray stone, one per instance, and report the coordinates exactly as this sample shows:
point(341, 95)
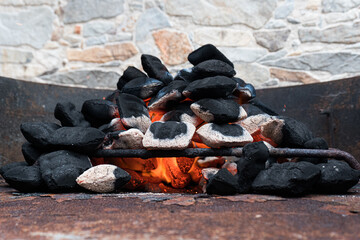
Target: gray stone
point(275, 24)
point(223, 13)
point(84, 10)
point(252, 73)
point(284, 10)
point(293, 20)
point(336, 17)
point(96, 28)
point(120, 36)
point(96, 40)
point(151, 19)
point(339, 5)
point(89, 78)
point(223, 37)
point(10, 55)
point(272, 40)
point(342, 33)
point(274, 55)
point(31, 27)
point(333, 62)
point(243, 54)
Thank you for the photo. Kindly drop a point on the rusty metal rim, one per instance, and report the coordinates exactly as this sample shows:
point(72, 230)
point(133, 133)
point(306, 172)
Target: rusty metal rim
point(238, 152)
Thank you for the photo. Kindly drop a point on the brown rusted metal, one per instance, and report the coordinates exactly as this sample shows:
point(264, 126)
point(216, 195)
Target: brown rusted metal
point(177, 216)
point(201, 152)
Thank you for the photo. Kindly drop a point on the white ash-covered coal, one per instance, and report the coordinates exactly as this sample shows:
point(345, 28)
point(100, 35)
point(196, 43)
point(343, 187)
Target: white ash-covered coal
point(205, 106)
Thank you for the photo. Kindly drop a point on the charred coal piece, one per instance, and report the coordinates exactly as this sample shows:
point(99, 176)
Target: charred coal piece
point(253, 161)
point(187, 75)
point(103, 178)
point(182, 113)
point(112, 97)
point(295, 133)
point(67, 114)
point(287, 179)
point(336, 177)
point(25, 178)
point(155, 69)
point(129, 74)
point(222, 183)
point(244, 91)
point(38, 133)
point(207, 52)
point(114, 125)
point(143, 87)
point(99, 112)
point(168, 96)
point(168, 135)
point(315, 143)
point(218, 110)
point(30, 153)
point(211, 87)
point(224, 135)
point(207, 162)
point(11, 165)
point(133, 112)
point(129, 139)
point(77, 138)
point(60, 169)
point(213, 67)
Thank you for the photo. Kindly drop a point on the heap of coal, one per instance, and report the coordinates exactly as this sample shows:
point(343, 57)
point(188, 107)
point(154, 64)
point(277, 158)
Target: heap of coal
point(202, 106)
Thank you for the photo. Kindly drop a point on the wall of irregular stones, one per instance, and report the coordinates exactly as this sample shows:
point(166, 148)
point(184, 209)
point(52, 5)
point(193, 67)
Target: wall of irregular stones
point(91, 42)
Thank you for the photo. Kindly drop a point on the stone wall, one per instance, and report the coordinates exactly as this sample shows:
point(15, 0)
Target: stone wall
point(91, 42)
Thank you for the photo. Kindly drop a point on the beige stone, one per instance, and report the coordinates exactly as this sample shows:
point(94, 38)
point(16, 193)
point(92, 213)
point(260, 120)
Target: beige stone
point(223, 37)
point(121, 51)
point(253, 73)
point(292, 76)
point(174, 46)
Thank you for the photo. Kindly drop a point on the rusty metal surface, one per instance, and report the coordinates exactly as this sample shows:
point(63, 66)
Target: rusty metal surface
point(331, 110)
point(177, 216)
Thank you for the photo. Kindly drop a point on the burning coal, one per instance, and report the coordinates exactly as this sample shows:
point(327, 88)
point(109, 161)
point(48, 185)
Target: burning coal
point(204, 107)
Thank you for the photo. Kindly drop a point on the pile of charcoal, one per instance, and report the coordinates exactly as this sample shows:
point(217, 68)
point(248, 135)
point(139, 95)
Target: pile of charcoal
point(203, 106)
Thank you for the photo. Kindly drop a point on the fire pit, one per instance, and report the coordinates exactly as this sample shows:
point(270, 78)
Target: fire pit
point(31, 108)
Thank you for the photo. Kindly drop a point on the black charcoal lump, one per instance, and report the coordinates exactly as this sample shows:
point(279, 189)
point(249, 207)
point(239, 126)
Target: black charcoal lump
point(11, 165)
point(336, 177)
point(99, 112)
point(315, 143)
point(207, 52)
point(287, 179)
point(210, 87)
point(67, 114)
point(77, 138)
point(38, 133)
point(30, 153)
point(60, 169)
point(25, 178)
point(155, 69)
point(218, 110)
point(168, 96)
point(129, 74)
point(222, 183)
point(213, 67)
point(295, 133)
point(253, 161)
point(182, 113)
point(143, 87)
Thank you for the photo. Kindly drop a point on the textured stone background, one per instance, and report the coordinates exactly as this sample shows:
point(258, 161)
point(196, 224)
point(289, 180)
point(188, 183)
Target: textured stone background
point(91, 42)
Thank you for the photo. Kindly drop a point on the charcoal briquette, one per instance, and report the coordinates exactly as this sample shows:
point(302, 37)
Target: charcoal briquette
point(187, 75)
point(211, 87)
point(103, 178)
point(168, 96)
point(244, 91)
point(143, 87)
point(207, 52)
point(213, 67)
point(38, 133)
point(168, 135)
point(67, 114)
point(182, 113)
point(99, 112)
point(11, 165)
point(155, 69)
point(222, 183)
point(224, 135)
point(287, 179)
point(129, 139)
point(218, 110)
point(295, 133)
point(129, 74)
point(60, 169)
point(315, 143)
point(25, 178)
point(77, 139)
point(133, 112)
point(31, 153)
